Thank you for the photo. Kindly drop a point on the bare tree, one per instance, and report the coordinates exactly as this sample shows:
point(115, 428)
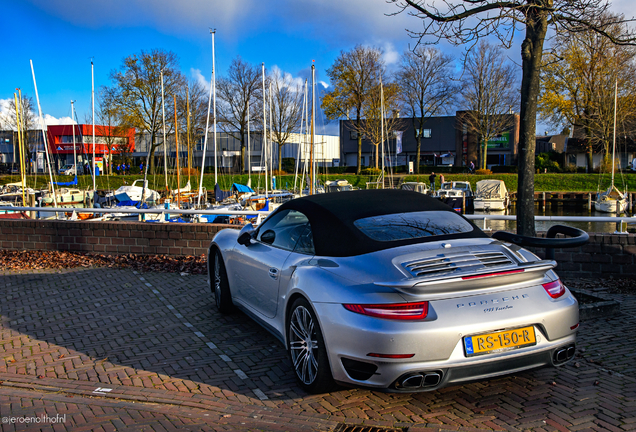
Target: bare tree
point(466, 21)
point(192, 105)
point(489, 91)
point(381, 116)
point(239, 94)
point(287, 99)
point(427, 88)
point(353, 75)
point(109, 123)
point(29, 121)
point(138, 96)
point(578, 82)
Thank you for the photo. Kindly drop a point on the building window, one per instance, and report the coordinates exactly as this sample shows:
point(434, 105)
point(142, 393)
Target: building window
point(426, 133)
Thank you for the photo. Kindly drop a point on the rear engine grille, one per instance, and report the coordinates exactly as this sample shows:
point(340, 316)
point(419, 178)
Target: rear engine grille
point(465, 262)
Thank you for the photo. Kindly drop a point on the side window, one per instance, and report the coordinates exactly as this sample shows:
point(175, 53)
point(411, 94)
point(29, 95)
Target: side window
point(305, 243)
point(283, 229)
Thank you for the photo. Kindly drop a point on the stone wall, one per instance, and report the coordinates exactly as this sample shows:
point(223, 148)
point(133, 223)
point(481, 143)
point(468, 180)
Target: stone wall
point(180, 239)
point(603, 256)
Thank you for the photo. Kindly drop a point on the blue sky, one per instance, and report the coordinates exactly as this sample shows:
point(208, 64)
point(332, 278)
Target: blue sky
point(62, 36)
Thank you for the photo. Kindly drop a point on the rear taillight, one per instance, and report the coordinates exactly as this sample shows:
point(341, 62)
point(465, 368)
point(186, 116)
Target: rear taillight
point(485, 275)
point(555, 289)
point(396, 311)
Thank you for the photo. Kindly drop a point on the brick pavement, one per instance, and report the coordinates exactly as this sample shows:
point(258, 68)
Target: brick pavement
point(115, 348)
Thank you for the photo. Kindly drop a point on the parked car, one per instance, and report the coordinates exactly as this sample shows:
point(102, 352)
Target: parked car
point(392, 290)
point(67, 170)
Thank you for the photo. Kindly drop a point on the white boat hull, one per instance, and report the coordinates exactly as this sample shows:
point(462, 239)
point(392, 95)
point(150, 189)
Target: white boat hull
point(611, 206)
point(489, 204)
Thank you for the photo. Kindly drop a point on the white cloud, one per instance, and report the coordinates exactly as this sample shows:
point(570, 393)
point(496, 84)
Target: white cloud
point(7, 117)
point(335, 22)
point(53, 121)
point(198, 76)
point(390, 55)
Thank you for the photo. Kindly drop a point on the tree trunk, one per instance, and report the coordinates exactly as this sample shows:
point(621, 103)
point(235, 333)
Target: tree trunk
point(151, 156)
point(280, 158)
point(242, 158)
point(359, 145)
point(531, 53)
point(418, 153)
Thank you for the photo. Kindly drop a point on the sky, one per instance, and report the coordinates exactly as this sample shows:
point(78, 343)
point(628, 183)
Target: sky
point(61, 37)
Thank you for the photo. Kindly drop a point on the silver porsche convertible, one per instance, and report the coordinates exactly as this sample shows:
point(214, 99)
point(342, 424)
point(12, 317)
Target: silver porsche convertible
point(392, 290)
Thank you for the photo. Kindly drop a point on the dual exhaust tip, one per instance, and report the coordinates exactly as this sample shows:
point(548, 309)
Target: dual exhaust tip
point(419, 380)
point(562, 355)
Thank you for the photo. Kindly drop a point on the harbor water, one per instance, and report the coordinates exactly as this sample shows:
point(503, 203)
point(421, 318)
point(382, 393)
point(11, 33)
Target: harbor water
point(590, 227)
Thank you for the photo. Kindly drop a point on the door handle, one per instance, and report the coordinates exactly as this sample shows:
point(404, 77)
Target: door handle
point(273, 273)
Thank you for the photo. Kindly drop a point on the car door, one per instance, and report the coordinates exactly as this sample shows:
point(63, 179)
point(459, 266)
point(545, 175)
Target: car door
point(266, 262)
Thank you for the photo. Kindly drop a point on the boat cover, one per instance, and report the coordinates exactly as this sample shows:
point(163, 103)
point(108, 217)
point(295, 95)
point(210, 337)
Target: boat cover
point(491, 189)
point(237, 187)
point(71, 183)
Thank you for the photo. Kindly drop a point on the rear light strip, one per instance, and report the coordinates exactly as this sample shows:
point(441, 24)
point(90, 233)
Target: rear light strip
point(502, 273)
point(395, 311)
point(391, 356)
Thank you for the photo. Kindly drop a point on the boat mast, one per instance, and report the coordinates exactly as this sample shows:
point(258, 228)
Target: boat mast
point(214, 107)
point(271, 140)
point(93, 103)
point(19, 127)
point(73, 126)
point(176, 143)
point(300, 144)
point(165, 144)
point(207, 128)
point(43, 125)
point(264, 129)
point(382, 128)
point(312, 173)
point(249, 157)
point(21, 132)
point(188, 130)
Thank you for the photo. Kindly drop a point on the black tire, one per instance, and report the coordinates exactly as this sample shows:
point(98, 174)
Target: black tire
point(309, 361)
point(219, 284)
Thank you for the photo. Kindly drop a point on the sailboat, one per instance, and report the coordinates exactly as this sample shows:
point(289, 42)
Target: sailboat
point(612, 200)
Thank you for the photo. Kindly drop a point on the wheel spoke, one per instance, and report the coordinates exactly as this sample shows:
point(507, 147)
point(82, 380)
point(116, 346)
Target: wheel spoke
point(303, 342)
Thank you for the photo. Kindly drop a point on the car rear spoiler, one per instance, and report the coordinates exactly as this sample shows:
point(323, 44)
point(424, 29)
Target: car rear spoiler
point(458, 284)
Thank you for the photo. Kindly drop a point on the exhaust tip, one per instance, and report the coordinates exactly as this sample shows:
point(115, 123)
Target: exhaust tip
point(562, 355)
point(413, 381)
point(419, 380)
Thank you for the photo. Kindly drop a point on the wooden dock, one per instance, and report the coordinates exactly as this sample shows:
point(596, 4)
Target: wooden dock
point(568, 199)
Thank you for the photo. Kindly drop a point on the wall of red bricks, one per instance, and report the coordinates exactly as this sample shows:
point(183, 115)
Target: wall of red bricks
point(108, 237)
point(603, 256)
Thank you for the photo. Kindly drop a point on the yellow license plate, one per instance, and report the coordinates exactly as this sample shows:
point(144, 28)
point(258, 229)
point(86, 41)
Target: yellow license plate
point(499, 341)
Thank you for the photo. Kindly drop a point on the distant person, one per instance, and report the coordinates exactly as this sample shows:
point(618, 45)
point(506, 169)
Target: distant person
point(471, 167)
point(141, 167)
point(441, 180)
point(86, 170)
point(118, 169)
point(431, 179)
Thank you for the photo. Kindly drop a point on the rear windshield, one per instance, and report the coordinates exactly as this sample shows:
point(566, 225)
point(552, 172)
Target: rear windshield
point(402, 226)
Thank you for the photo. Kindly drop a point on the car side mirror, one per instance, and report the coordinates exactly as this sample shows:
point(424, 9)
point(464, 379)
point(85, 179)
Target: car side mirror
point(245, 235)
point(268, 237)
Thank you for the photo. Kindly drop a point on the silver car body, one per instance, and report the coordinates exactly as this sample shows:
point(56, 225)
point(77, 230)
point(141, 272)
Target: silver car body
point(473, 286)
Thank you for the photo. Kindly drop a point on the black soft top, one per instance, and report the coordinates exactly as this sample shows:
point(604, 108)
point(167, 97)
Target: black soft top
point(331, 216)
